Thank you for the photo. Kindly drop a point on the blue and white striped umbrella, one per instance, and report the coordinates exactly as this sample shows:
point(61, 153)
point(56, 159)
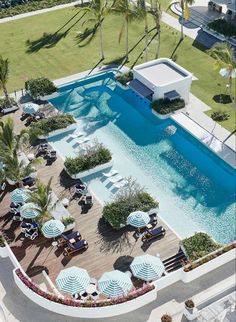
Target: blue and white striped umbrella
point(30, 108)
point(29, 211)
point(138, 219)
point(19, 196)
point(73, 280)
point(115, 283)
point(147, 267)
point(53, 228)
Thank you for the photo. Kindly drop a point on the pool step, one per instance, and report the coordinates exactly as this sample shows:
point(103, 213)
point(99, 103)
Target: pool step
point(175, 262)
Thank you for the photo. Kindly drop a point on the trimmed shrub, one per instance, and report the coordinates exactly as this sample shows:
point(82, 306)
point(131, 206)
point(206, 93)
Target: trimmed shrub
point(166, 318)
point(165, 106)
point(93, 157)
point(223, 27)
point(5, 103)
point(50, 124)
point(220, 116)
point(39, 87)
point(130, 198)
point(199, 245)
point(67, 220)
point(2, 244)
point(125, 78)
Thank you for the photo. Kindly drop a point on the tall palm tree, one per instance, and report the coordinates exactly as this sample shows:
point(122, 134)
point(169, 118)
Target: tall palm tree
point(142, 5)
point(41, 197)
point(184, 5)
point(130, 12)
point(97, 11)
point(4, 74)
point(224, 57)
point(155, 11)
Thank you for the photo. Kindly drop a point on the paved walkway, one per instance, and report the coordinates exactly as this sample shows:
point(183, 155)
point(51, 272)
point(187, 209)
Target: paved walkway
point(18, 308)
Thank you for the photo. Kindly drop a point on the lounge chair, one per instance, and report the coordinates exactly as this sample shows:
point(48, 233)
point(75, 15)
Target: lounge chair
point(88, 200)
point(3, 186)
point(81, 188)
point(154, 233)
point(17, 217)
point(76, 134)
point(25, 227)
point(115, 179)
point(72, 248)
point(110, 173)
point(82, 140)
point(51, 154)
point(66, 238)
point(153, 219)
point(43, 148)
point(29, 181)
point(121, 184)
point(32, 233)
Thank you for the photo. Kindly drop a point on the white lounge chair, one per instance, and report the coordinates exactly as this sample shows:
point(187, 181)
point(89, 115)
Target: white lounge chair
point(120, 184)
point(76, 134)
point(116, 179)
point(110, 173)
point(82, 140)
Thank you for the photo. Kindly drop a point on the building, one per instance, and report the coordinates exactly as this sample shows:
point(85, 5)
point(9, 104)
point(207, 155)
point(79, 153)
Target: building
point(161, 78)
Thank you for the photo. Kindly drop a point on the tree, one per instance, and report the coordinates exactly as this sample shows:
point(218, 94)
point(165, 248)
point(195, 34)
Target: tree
point(184, 5)
point(224, 57)
point(4, 74)
point(8, 140)
point(97, 11)
point(130, 12)
point(41, 197)
point(155, 11)
point(142, 5)
point(39, 87)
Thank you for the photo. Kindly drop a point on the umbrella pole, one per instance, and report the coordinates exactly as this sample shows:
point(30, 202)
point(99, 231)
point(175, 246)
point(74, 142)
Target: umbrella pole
point(54, 242)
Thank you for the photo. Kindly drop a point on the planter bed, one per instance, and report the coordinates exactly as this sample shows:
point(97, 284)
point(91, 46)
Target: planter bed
point(69, 128)
point(86, 173)
point(168, 115)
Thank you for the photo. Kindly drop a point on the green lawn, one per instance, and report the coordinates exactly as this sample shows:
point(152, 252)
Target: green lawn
point(30, 44)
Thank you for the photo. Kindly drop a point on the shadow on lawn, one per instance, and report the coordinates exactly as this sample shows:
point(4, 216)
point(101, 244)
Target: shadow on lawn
point(49, 40)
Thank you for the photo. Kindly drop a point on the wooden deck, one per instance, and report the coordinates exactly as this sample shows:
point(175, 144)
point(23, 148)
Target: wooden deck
point(107, 250)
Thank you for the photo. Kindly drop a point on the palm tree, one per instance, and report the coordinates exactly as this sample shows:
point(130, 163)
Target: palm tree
point(15, 169)
point(155, 11)
point(142, 5)
point(97, 11)
point(130, 12)
point(8, 140)
point(224, 57)
point(4, 74)
point(41, 197)
point(184, 5)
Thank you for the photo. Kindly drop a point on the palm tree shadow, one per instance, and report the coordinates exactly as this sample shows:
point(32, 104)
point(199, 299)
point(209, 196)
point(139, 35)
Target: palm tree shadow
point(175, 49)
point(85, 37)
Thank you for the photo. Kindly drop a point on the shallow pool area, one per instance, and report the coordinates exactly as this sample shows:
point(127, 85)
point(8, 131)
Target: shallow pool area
point(195, 189)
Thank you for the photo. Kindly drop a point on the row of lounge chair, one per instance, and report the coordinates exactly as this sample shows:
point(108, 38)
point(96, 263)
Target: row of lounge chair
point(72, 242)
point(45, 150)
point(117, 180)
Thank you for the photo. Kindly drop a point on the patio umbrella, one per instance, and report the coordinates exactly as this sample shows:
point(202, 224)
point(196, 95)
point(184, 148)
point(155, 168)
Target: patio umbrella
point(53, 228)
point(138, 219)
point(147, 267)
point(29, 211)
point(30, 108)
point(73, 280)
point(226, 73)
point(115, 283)
point(19, 196)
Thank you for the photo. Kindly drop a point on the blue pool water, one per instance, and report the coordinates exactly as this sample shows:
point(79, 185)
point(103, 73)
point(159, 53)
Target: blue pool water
point(195, 188)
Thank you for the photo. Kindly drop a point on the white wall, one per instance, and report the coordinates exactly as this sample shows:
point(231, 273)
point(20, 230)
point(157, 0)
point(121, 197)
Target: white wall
point(98, 168)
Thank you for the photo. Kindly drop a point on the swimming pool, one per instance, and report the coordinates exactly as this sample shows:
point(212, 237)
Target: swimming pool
point(195, 188)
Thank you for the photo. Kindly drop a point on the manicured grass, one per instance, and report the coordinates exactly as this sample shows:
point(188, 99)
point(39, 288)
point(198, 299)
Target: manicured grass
point(32, 48)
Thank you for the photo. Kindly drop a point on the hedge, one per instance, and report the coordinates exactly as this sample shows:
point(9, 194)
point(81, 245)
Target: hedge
point(165, 106)
point(39, 87)
point(223, 27)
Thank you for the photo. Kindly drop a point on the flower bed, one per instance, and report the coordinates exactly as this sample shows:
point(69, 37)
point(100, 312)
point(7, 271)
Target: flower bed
point(92, 158)
point(75, 303)
point(165, 106)
point(189, 267)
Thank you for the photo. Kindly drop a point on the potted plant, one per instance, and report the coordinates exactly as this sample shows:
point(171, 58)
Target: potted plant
point(68, 222)
point(189, 305)
point(166, 318)
point(190, 311)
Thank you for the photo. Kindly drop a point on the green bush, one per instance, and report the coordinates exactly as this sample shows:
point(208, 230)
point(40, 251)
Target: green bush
point(68, 220)
point(5, 103)
point(130, 198)
point(223, 27)
point(2, 244)
point(165, 106)
point(199, 245)
point(220, 116)
point(125, 78)
point(39, 87)
point(50, 124)
point(12, 7)
point(89, 160)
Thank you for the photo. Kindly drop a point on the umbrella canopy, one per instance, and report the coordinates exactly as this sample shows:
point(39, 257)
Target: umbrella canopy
point(29, 211)
point(73, 280)
point(53, 228)
point(30, 108)
point(225, 72)
point(115, 283)
point(19, 196)
point(147, 267)
point(138, 219)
